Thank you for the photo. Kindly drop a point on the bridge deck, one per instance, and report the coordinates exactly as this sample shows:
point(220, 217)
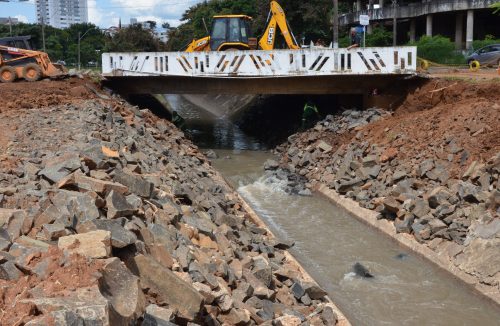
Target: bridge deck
point(313, 71)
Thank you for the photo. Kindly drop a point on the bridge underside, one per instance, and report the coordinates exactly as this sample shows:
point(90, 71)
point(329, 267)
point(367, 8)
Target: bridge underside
point(335, 84)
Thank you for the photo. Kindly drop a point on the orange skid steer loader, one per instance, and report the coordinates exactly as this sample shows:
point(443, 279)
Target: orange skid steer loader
point(28, 64)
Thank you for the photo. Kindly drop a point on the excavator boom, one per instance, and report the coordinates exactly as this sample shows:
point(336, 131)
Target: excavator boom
point(232, 32)
point(277, 18)
point(202, 44)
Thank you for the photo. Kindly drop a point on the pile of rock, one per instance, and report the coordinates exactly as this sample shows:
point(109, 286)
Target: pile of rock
point(417, 193)
point(109, 216)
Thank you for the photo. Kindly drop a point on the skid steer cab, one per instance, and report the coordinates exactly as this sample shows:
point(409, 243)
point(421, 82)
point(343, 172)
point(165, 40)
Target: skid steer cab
point(17, 63)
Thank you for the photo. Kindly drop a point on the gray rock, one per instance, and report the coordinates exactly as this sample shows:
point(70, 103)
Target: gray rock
point(324, 147)
point(210, 154)
point(57, 168)
point(468, 192)
point(425, 167)
point(314, 291)
point(168, 287)
point(262, 270)
point(345, 186)
point(372, 171)
point(436, 225)
point(122, 290)
point(84, 306)
point(420, 208)
point(204, 225)
point(135, 183)
point(271, 165)
point(118, 206)
point(120, 237)
point(158, 316)
point(9, 271)
point(404, 225)
point(54, 231)
point(438, 196)
point(391, 205)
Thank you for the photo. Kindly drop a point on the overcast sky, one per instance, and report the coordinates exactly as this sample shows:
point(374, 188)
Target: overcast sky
point(106, 13)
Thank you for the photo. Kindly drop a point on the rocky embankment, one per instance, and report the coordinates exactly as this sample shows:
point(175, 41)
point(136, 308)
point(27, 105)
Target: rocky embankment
point(431, 167)
point(110, 217)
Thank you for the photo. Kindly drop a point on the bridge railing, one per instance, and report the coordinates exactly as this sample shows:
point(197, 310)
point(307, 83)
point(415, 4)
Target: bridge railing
point(277, 63)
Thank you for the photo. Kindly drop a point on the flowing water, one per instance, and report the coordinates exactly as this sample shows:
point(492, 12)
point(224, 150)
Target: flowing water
point(406, 289)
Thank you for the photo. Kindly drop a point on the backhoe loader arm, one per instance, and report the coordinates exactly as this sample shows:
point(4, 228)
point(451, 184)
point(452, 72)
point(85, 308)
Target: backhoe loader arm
point(202, 44)
point(277, 19)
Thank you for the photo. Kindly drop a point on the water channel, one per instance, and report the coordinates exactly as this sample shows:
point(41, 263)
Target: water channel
point(406, 289)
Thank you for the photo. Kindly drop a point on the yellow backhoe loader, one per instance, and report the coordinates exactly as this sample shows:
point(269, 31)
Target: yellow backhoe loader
point(28, 64)
point(232, 32)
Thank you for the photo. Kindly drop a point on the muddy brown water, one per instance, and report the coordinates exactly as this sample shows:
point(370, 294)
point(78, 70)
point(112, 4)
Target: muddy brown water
point(406, 289)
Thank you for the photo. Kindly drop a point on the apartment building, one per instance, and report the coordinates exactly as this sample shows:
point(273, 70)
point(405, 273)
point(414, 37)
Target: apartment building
point(62, 13)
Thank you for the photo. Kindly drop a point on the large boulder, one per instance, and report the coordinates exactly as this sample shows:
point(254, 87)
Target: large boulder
point(168, 287)
point(122, 290)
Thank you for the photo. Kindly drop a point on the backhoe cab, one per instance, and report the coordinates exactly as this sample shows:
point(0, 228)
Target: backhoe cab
point(232, 32)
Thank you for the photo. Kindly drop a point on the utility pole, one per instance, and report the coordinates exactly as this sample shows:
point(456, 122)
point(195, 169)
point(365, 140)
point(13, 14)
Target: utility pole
point(80, 36)
point(43, 33)
point(335, 24)
point(10, 26)
point(394, 22)
point(79, 55)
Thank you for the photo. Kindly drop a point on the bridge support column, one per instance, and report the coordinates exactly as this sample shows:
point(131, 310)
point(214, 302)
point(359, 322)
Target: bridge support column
point(428, 28)
point(459, 26)
point(413, 28)
point(381, 3)
point(469, 37)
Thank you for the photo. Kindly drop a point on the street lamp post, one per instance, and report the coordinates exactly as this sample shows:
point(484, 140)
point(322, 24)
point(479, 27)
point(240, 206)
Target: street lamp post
point(335, 24)
point(394, 23)
point(80, 37)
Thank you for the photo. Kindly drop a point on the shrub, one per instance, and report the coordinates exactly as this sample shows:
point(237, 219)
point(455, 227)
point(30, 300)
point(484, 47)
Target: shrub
point(436, 48)
point(489, 39)
point(379, 37)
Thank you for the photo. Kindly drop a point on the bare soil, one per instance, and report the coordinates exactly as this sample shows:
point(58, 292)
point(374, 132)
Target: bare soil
point(440, 114)
point(26, 95)
point(63, 275)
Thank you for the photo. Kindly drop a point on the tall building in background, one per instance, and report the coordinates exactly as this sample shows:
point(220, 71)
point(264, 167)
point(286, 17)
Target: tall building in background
point(62, 13)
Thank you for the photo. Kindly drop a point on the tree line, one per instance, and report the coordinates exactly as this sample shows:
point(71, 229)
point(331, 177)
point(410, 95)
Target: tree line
point(62, 44)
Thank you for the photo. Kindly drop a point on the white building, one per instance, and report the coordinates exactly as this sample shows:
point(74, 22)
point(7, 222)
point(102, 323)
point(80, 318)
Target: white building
point(62, 13)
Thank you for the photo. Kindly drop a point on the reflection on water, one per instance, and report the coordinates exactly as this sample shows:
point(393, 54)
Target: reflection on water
point(408, 291)
point(222, 134)
point(208, 131)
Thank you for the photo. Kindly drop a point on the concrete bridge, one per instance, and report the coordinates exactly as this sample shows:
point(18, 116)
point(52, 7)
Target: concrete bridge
point(306, 71)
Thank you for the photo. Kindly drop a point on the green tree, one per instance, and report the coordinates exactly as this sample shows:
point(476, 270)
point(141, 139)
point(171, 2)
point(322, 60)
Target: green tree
point(496, 7)
point(133, 38)
point(309, 20)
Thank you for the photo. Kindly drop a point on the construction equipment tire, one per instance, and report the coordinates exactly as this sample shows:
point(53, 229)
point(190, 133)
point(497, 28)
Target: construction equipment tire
point(424, 64)
point(474, 65)
point(7, 74)
point(32, 72)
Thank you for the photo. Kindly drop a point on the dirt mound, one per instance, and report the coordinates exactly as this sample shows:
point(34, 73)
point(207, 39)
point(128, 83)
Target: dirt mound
point(440, 92)
point(24, 95)
point(442, 117)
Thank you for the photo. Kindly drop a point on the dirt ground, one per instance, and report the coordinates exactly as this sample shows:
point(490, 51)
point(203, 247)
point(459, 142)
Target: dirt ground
point(27, 95)
point(444, 113)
